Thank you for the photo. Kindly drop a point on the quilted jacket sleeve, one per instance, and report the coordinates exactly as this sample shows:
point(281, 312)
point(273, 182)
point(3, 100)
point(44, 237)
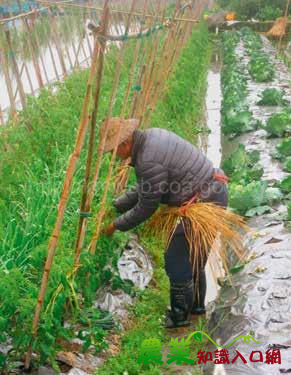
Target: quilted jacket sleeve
point(152, 180)
point(127, 200)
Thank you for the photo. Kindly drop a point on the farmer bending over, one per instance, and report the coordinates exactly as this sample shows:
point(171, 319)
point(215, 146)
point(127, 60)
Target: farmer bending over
point(172, 172)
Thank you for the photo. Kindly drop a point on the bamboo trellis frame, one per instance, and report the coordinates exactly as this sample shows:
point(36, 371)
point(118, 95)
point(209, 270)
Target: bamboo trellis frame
point(58, 56)
point(150, 67)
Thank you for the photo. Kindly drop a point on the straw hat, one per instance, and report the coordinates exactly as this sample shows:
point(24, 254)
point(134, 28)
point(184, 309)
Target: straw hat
point(127, 127)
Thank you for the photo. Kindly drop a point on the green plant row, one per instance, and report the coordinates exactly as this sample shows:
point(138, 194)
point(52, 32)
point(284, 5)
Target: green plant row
point(260, 66)
point(236, 116)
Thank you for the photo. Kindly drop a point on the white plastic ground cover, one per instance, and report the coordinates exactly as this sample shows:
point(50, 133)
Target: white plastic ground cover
point(134, 265)
point(259, 299)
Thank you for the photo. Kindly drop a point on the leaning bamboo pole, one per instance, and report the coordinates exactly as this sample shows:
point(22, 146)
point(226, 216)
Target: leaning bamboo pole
point(102, 211)
point(5, 68)
point(28, 78)
point(56, 39)
point(15, 69)
point(1, 116)
point(83, 125)
point(153, 91)
point(286, 19)
point(85, 204)
point(53, 61)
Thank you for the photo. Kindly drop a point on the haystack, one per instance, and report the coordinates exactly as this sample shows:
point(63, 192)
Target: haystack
point(278, 30)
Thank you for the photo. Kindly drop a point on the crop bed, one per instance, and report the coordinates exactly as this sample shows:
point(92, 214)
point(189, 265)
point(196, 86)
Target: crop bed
point(256, 298)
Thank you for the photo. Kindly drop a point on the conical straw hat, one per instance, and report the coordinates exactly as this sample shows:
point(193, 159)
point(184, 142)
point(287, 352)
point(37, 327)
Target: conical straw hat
point(127, 127)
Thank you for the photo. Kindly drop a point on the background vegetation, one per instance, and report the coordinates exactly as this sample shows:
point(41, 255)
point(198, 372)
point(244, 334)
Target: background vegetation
point(262, 9)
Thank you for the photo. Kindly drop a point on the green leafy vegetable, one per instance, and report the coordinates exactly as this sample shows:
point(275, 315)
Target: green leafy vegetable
point(284, 148)
point(272, 97)
point(273, 195)
point(286, 184)
point(260, 68)
point(242, 166)
point(243, 198)
point(287, 164)
point(279, 124)
point(257, 211)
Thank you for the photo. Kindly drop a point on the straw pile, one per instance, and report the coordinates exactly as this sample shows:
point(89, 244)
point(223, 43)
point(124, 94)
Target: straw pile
point(278, 30)
point(203, 223)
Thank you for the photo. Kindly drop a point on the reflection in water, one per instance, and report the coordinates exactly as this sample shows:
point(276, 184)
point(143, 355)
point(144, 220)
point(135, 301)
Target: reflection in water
point(54, 48)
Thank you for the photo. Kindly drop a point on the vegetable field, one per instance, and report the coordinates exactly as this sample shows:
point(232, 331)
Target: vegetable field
point(148, 60)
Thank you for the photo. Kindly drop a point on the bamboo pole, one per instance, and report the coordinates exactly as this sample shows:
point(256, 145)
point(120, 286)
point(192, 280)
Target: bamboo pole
point(15, 69)
point(4, 65)
point(86, 36)
point(85, 204)
point(32, 48)
point(53, 61)
point(67, 49)
point(1, 116)
point(56, 39)
point(20, 74)
point(114, 11)
point(122, 179)
point(101, 213)
point(83, 125)
point(28, 78)
point(286, 19)
point(38, 46)
point(22, 15)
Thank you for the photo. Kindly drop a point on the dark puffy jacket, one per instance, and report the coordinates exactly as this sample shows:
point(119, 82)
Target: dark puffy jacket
point(169, 170)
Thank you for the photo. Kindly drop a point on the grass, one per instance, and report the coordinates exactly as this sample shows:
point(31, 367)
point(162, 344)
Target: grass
point(182, 112)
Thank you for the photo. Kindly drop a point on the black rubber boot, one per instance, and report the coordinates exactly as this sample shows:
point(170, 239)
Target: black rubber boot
point(181, 303)
point(198, 307)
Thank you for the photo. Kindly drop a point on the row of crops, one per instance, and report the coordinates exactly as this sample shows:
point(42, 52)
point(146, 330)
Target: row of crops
point(250, 195)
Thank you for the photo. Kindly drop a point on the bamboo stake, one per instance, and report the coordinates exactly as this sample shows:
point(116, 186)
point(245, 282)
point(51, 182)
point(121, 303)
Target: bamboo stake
point(120, 183)
point(77, 54)
point(86, 36)
point(56, 39)
point(1, 116)
point(83, 125)
point(53, 61)
point(38, 46)
point(286, 19)
point(4, 65)
point(15, 69)
point(67, 49)
point(32, 48)
point(28, 78)
point(151, 77)
point(20, 75)
point(101, 213)
point(85, 204)
point(147, 56)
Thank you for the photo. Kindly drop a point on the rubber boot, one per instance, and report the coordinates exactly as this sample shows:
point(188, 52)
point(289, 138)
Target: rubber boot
point(198, 307)
point(181, 296)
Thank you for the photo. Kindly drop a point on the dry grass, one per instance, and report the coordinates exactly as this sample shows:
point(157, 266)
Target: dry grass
point(278, 30)
point(203, 224)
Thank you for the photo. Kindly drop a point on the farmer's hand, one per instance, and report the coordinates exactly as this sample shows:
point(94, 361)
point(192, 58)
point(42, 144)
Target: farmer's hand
point(109, 230)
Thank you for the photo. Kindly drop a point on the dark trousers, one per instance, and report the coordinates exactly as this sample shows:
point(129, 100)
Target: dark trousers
point(177, 263)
